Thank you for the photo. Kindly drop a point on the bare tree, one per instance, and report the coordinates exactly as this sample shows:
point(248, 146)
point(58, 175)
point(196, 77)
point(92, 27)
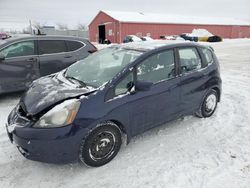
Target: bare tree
point(62, 26)
point(26, 30)
point(38, 25)
point(81, 26)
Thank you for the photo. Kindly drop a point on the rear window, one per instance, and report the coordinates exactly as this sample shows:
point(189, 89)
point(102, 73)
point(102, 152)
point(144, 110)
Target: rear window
point(74, 45)
point(208, 56)
point(52, 46)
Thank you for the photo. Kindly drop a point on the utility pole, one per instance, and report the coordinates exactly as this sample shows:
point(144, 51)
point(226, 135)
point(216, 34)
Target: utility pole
point(31, 32)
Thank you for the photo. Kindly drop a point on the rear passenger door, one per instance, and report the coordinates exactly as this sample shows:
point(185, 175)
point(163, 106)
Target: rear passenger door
point(193, 81)
point(53, 56)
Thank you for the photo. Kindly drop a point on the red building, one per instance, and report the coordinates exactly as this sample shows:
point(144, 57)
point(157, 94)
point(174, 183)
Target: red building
point(115, 25)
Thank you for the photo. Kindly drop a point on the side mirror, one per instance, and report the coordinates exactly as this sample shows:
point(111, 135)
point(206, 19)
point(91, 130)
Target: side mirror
point(143, 86)
point(2, 57)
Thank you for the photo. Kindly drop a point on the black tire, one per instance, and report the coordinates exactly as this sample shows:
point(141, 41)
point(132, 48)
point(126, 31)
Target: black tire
point(208, 110)
point(101, 145)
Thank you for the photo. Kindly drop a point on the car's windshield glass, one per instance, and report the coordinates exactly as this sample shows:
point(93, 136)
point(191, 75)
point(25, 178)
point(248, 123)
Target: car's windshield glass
point(101, 66)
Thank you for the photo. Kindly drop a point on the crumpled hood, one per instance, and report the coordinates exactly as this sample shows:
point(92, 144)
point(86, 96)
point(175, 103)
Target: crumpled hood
point(48, 91)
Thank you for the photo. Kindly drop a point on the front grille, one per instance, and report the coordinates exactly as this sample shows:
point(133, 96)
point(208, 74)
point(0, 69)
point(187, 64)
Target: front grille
point(19, 117)
point(22, 114)
point(21, 111)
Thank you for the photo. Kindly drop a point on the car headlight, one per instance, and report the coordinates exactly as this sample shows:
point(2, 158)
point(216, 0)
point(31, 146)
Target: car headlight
point(59, 116)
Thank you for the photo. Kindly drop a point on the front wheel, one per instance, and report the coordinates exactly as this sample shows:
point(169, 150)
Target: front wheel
point(209, 105)
point(101, 145)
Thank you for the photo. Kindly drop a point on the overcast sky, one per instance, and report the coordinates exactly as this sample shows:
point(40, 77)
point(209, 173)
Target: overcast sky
point(17, 13)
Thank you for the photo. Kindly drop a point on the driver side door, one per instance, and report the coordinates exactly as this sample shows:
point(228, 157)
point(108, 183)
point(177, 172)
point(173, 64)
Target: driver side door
point(20, 66)
point(157, 105)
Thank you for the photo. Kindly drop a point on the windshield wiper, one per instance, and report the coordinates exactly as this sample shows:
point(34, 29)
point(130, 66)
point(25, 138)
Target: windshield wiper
point(82, 84)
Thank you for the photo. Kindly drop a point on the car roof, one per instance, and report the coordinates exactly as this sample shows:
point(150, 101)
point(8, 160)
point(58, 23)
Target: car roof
point(35, 37)
point(157, 44)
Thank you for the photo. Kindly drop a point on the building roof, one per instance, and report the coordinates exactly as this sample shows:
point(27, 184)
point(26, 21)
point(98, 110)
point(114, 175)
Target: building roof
point(140, 17)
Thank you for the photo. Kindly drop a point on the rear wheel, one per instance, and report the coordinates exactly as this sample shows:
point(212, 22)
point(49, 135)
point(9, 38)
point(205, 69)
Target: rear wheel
point(101, 145)
point(209, 105)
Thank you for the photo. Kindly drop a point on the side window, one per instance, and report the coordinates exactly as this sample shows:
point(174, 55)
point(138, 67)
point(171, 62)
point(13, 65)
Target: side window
point(24, 48)
point(125, 85)
point(51, 46)
point(74, 45)
point(189, 60)
point(208, 55)
point(157, 68)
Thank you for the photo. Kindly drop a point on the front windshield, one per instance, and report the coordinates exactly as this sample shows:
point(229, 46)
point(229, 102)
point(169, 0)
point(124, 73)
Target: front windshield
point(102, 66)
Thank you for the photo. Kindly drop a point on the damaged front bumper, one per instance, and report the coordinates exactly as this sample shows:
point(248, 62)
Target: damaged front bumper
point(52, 145)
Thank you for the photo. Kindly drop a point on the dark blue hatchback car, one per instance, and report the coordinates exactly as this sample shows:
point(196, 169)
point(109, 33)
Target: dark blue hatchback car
point(82, 113)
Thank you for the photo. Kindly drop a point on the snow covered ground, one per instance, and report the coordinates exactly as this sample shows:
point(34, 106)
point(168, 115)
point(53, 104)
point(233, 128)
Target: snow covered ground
point(190, 152)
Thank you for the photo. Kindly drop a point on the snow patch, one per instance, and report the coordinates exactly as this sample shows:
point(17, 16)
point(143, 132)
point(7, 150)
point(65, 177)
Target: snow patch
point(139, 17)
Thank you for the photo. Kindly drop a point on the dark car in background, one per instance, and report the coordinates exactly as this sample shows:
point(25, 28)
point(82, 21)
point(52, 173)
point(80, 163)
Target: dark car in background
point(187, 36)
point(82, 112)
point(25, 59)
point(131, 38)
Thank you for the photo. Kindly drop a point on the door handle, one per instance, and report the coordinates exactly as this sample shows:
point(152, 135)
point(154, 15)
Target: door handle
point(32, 59)
point(68, 56)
